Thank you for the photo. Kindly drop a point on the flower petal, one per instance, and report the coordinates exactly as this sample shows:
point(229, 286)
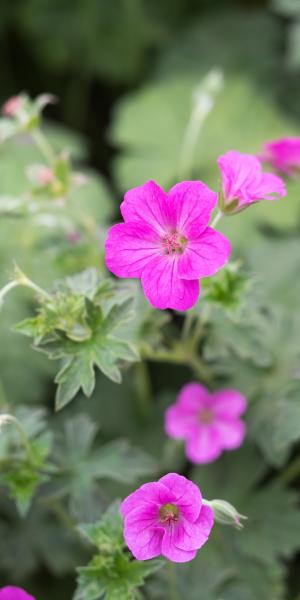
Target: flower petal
point(191, 536)
point(185, 494)
point(179, 423)
point(190, 202)
point(238, 172)
point(145, 544)
point(169, 549)
point(203, 447)
point(204, 256)
point(11, 592)
point(206, 519)
point(269, 188)
point(193, 396)
point(230, 432)
point(151, 495)
point(129, 247)
point(148, 204)
point(163, 287)
point(228, 403)
point(243, 178)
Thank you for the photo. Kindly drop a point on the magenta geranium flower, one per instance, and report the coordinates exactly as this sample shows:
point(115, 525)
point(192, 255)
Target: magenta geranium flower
point(166, 242)
point(209, 423)
point(244, 182)
point(14, 593)
point(283, 154)
point(167, 518)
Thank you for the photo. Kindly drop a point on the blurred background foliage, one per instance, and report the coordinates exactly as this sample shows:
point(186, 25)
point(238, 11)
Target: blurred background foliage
point(125, 72)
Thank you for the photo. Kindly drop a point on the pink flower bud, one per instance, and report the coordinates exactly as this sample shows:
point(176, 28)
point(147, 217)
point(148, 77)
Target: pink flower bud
point(12, 106)
point(244, 182)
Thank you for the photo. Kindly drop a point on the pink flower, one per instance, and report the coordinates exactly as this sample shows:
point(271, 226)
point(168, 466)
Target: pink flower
point(244, 182)
point(209, 423)
point(283, 154)
point(167, 518)
point(14, 593)
point(166, 241)
point(11, 106)
point(45, 176)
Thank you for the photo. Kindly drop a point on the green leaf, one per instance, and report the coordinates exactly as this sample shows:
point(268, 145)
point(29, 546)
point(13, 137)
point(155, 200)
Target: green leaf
point(106, 534)
point(227, 288)
point(111, 574)
point(23, 483)
point(121, 462)
point(22, 466)
point(275, 422)
point(77, 325)
point(251, 558)
point(81, 465)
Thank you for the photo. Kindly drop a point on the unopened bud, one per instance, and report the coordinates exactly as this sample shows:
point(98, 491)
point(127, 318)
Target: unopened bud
point(12, 106)
point(225, 513)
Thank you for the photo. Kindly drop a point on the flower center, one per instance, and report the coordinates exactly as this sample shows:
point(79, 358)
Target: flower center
point(174, 243)
point(206, 416)
point(168, 513)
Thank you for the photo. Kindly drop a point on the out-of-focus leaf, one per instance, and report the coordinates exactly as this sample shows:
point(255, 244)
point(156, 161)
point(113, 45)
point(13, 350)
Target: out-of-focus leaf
point(269, 535)
point(36, 540)
point(81, 465)
point(23, 467)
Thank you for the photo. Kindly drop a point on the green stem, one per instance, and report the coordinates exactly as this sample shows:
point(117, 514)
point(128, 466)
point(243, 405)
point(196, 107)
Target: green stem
point(22, 279)
point(36, 288)
point(203, 102)
point(292, 471)
point(59, 510)
point(199, 369)
point(187, 325)
point(143, 386)
point(43, 145)
point(9, 286)
point(216, 219)
point(3, 400)
point(173, 586)
point(182, 357)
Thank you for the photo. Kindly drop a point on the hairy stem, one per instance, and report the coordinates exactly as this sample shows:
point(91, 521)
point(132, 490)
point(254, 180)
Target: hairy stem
point(173, 586)
point(216, 219)
point(292, 471)
point(144, 392)
point(43, 145)
point(9, 286)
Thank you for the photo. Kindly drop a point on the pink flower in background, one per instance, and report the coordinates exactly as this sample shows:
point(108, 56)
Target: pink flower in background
point(209, 423)
point(14, 593)
point(11, 106)
point(283, 154)
point(166, 518)
point(243, 181)
point(166, 242)
point(45, 175)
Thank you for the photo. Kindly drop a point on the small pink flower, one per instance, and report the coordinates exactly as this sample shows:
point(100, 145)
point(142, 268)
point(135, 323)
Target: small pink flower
point(283, 154)
point(12, 106)
point(45, 176)
point(209, 423)
point(14, 593)
point(244, 182)
point(166, 242)
point(167, 518)
point(40, 175)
